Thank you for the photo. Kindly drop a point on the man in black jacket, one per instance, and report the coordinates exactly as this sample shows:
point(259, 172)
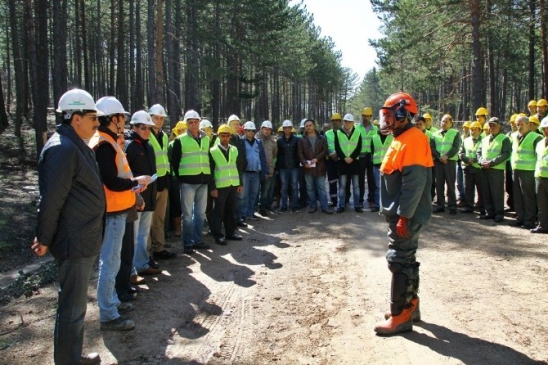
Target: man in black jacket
point(70, 219)
point(287, 163)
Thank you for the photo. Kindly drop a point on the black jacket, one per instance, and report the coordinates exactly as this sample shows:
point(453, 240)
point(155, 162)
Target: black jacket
point(142, 161)
point(72, 204)
point(287, 157)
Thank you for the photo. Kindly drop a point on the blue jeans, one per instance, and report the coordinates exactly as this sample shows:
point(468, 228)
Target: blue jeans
point(377, 177)
point(109, 264)
point(267, 192)
point(68, 338)
point(193, 206)
point(460, 182)
point(285, 175)
point(316, 184)
point(355, 190)
point(142, 231)
point(252, 180)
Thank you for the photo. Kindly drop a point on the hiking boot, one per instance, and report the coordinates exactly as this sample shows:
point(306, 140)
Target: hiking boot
point(416, 316)
point(118, 324)
point(125, 307)
point(396, 324)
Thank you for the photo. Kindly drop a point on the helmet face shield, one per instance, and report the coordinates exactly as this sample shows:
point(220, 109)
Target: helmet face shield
point(389, 116)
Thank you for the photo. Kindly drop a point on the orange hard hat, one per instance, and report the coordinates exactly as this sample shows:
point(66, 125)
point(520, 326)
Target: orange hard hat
point(403, 100)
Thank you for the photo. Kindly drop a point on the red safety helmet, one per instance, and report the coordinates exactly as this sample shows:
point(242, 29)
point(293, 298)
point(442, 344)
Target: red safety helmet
point(398, 107)
point(399, 99)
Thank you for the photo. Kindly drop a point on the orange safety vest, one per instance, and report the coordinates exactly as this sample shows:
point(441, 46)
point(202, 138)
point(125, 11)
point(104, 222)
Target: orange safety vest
point(117, 201)
point(409, 148)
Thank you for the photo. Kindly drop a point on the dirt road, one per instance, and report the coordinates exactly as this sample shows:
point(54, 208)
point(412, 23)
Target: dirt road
point(308, 288)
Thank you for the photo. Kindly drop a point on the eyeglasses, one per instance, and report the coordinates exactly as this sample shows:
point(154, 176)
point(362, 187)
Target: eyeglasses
point(145, 127)
point(92, 117)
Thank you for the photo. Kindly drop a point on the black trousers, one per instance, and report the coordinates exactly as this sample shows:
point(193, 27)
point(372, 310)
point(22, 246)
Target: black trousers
point(446, 174)
point(525, 197)
point(224, 209)
point(494, 192)
point(126, 261)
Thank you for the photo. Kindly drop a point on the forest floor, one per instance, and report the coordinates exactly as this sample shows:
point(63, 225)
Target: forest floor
point(301, 289)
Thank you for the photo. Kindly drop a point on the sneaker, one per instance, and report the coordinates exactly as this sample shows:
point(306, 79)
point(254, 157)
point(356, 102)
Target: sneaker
point(253, 218)
point(312, 210)
point(189, 250)
point(283, 210)
point(125, 307)
point(327, 211)
point(340, 210)
point(263, 212)
point(118, 324)
point(374, 209)
point(241, 224)
point(92, 358)
point(358, 210)
point(164, 255)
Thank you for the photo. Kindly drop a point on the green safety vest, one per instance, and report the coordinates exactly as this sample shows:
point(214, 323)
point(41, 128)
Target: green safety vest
point(491, 150)
point(432, 130)
point(330, 137)
point(162, 160)
point(380, 148)
point(226, 172)
point(541, 169)
point(471, 149)
point(444, 143)
point(348, 145)
point(366, 137)
point(523, 155)
point(428, 134)
point(195, 158)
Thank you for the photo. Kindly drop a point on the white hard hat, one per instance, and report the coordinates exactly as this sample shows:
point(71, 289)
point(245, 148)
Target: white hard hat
point(76, 99)
point(287, 123)
point(141, 117)
point(233, 117)
point(348, 117)
point(544, 122)
point(249, 126)
point(205, 124)
point(191, 114)
point(158, 110)
point(266, 124)
point(109, 105)
point(302, 123)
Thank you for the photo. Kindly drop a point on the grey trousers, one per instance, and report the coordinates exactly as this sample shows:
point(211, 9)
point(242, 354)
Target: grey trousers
point(494, 192)
point(542, 201)
point(446, 174)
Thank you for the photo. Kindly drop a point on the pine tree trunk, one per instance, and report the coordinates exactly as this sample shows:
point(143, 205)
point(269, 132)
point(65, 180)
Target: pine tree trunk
point(60, 72)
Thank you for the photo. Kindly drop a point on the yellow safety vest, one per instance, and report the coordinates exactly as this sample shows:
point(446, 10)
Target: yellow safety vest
point(491, 150)
point(195, 158)
point(523, 155)
point(542, 159)
point(226, 172)
point(162, 160)
point(471, 149)
point(380, 148)
point(348, 146)
point(366, 137)
point(445, 142)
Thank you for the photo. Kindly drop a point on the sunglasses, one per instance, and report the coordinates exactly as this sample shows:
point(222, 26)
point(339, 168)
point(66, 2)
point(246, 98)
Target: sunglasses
point(92, 117)
point(145, 127)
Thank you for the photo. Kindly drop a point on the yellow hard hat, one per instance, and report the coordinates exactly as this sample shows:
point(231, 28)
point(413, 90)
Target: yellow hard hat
point(336, 116)
point(534, 119)
point(482, 111)
point(180, 128)
point(542, 102)
point(293, 130)
point(447, 116)
point(476, 125)
point(485, 126)
point(223, 128)
point(427, 116)
point(367, 111)
point(466, 125)
point(532, 103)
point(514, 116)
point(281, 129)
point(522, 115)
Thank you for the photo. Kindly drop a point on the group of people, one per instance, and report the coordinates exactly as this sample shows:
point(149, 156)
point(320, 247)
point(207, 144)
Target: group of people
point(483, 162)
point(105, 190)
